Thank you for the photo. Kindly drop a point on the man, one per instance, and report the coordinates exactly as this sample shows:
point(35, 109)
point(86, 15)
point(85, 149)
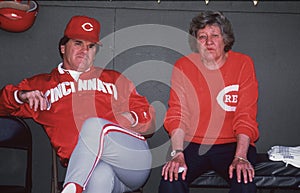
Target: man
point(94, 117)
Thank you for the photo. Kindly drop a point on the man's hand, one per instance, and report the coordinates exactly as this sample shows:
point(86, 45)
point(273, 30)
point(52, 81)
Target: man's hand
point(125, 119)
point(35, 99)
point(170, 169)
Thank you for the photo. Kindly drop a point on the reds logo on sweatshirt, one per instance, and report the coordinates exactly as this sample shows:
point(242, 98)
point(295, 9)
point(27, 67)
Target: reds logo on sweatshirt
point(228, 98)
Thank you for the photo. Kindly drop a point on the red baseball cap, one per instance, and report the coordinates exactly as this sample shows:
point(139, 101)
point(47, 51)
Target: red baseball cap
point(84, 28)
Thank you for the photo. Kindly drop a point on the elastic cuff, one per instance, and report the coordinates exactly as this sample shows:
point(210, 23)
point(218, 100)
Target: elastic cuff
point(17, 98)
point(136, 118)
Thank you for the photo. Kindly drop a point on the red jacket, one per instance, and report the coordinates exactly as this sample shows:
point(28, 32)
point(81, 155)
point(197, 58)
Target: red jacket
point(213, 106)
point(97, 93)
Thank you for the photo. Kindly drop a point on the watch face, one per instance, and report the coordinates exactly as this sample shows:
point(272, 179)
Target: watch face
point(173, 153)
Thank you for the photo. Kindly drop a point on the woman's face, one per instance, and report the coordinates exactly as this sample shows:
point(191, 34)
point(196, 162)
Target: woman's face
point(211, 43)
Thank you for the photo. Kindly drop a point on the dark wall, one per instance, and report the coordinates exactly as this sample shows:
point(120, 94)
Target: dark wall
point(144, 39)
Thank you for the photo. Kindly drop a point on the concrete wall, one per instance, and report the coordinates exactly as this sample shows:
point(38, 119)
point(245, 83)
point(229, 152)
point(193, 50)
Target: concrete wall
point(143, 39)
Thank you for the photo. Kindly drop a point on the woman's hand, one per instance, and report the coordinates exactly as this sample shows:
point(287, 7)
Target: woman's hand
point(243, 168)
point(171, 168)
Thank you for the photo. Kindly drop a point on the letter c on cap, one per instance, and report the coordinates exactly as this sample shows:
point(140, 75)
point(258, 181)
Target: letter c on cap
point(87, 27)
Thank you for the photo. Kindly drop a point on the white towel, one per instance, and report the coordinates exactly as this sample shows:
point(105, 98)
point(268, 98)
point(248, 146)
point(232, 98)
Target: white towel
point(289, 155)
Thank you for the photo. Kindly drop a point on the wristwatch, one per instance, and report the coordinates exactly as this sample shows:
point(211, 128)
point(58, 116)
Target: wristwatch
point(174, 152)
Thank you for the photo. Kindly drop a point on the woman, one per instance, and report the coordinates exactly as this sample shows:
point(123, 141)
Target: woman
point(212, 110)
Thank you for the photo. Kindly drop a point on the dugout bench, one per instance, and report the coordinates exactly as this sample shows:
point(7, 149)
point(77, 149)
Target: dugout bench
point(269, 175)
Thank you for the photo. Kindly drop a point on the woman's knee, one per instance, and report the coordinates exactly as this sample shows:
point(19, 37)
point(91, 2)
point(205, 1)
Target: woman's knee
point(176, 186)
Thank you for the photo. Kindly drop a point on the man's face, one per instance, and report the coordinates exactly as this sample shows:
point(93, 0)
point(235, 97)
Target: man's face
point(78, 55)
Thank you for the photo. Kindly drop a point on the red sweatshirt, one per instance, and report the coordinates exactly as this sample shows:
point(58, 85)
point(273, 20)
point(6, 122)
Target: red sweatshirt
point(213, 106)
point(97, 93)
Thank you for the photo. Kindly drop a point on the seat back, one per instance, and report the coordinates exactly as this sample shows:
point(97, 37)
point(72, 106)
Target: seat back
point(15, 146)
point(56, 185)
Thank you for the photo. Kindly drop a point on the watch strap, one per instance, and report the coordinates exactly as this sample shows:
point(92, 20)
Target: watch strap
point(174, 152)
